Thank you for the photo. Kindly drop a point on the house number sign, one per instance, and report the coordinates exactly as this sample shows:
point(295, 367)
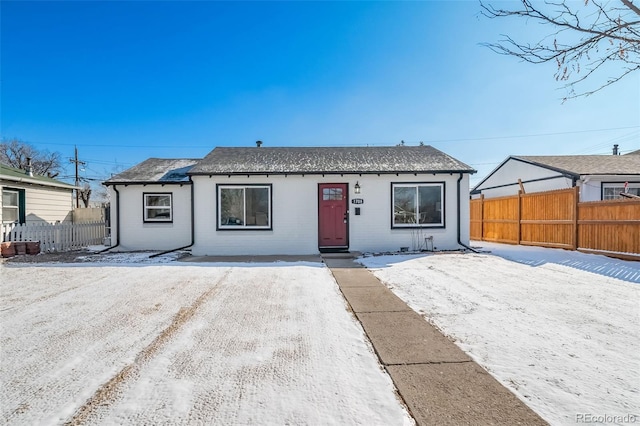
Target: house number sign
point(357, 201)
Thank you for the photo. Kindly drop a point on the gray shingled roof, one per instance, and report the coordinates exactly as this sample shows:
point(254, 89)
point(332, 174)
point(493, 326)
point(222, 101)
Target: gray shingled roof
point(633, 152)
point(588, 164)
point(156, 170)
point(329, 160)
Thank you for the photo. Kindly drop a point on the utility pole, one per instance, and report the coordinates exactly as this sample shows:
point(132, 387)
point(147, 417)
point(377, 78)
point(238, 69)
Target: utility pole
point(76, 161)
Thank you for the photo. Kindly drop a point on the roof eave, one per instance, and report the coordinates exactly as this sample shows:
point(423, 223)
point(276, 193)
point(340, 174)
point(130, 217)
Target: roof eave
point(30, 181)
point(333, 172)
point(146, 182)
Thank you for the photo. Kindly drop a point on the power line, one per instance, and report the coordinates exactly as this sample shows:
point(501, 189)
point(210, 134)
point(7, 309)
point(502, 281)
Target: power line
point(426, 141)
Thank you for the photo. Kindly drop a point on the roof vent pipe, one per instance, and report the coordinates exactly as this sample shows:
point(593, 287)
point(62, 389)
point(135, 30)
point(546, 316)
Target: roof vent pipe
point(29, 169)
point(258, 144)
point(615, 150)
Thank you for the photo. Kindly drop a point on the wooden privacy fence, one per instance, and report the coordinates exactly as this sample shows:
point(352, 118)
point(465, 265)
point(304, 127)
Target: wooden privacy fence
point(557, 219)
point(58, 236)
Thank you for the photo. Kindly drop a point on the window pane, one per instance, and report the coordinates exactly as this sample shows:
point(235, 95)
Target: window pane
point(159, 200)
point(257, 200)
point(232, 206)
point(9, 214)
point(158, 213)
point(404, 202)
point(430, 202)
point(331, 194)
point(9, 198)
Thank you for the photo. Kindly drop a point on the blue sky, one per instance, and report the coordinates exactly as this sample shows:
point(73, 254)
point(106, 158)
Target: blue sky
point(125, 81)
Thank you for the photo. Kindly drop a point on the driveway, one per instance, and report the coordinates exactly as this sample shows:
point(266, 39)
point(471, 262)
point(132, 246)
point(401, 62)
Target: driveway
point(185, 343)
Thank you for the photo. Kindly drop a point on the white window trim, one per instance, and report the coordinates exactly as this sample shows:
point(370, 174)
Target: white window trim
point(416, 185)
point(146, 208)
point(244, 226)
point(16, 207)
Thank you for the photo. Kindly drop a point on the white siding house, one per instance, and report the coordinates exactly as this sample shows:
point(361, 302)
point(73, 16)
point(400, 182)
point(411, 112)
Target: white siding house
point(151, 205)
point(30, 199)
point(253, 201)
point(599, 177)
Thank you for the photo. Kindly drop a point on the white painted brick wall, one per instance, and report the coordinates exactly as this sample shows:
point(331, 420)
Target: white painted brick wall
point(137, 235)
point(295, 216)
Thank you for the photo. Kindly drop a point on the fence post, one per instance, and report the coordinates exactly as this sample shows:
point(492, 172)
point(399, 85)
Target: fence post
point(519, 234)
point(481, 217)
point(576, 201)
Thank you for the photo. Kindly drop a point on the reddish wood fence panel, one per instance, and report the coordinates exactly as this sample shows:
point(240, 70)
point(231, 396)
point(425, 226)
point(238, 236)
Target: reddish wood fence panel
point(558, 219)
point(475, 229)
point(609, 226)
point(500, 219)
point(548, 218)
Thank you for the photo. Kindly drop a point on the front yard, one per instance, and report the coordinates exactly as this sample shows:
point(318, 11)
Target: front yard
point(561, 329)
point(140, 341)
point(185, 344)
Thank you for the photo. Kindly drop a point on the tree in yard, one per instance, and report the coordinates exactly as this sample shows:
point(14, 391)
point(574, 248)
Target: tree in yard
point(597, 40)
point(14, 153)
point(85, 194)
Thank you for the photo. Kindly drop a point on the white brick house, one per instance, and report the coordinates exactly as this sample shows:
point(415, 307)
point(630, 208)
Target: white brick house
point(251, 201)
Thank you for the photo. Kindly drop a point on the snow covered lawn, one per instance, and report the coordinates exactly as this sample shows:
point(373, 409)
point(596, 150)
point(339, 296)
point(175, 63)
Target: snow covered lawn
point(184, 343)
point(561, 329)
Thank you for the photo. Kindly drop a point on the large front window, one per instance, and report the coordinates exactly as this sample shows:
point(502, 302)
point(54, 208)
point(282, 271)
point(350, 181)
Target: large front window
point(244, 207)
point(417, 204)
point(157, 207)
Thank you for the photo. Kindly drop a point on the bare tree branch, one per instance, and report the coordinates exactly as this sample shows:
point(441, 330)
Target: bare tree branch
point(14, 153)
point(588, 40)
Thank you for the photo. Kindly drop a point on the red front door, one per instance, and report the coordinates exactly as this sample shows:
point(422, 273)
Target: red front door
point(332, 215)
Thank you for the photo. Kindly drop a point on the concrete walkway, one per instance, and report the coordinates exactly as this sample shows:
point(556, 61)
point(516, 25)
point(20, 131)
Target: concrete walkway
point(439, 383)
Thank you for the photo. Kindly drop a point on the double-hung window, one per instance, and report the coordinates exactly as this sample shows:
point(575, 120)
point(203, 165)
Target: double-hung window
point(10, 206)
point(244, 206)
point(417, 205)
point(158, 207)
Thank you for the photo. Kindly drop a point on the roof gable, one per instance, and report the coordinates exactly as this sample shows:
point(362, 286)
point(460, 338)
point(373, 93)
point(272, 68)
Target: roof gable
point(574, 166)
point(328, 160)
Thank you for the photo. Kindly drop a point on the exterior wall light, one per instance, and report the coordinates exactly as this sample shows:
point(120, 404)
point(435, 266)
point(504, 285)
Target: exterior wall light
point(356, 188)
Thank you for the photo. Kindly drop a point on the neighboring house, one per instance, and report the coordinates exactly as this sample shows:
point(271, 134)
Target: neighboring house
point(27, 198)
point(293, 201)
point(600, 177)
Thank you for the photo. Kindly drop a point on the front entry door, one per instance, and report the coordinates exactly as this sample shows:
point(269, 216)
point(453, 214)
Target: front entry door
point(333, 216)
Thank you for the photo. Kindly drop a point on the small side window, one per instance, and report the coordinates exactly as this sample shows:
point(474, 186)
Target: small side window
point(10, 206)
point(158, 207)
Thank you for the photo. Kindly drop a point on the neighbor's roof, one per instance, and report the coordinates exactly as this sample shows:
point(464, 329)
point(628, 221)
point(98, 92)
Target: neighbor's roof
point(156, 170)
point(328, 160)
point(20, 176)
point(633, 152)
point(587, 164)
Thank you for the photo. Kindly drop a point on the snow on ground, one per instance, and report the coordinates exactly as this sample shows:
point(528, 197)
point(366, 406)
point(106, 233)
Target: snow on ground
point(554, 326)
point(185, 343)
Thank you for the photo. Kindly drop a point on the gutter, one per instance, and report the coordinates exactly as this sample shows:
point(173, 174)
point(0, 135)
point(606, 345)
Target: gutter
point(458, 216)
point(193, 227)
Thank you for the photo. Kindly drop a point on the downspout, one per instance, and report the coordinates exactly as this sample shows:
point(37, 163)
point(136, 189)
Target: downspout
point(117, 221)
point(459, 214)
point(193, 228)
